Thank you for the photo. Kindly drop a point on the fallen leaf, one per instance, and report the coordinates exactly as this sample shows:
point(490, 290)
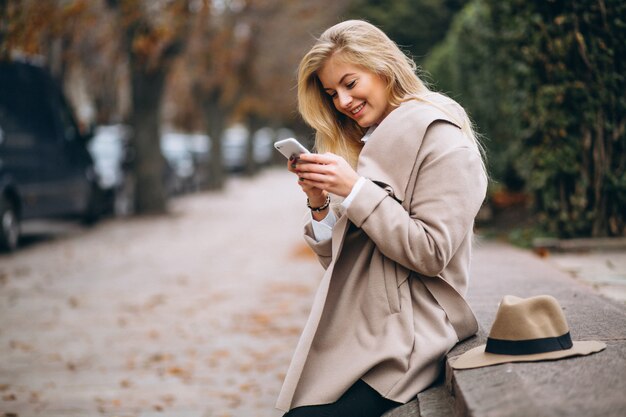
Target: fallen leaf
point(302, 251)
point(178, 372)
point(222, 353)
point(34, 397)
point(22, 271)
point(155, 301)
point(24, 347)
point(248, 386)
point(72, 302)
point(289, 288)
point(234, 400)
point(168, 399)
point(247, 367)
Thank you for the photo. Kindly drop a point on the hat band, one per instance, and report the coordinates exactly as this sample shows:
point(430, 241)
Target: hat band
point(530, 346)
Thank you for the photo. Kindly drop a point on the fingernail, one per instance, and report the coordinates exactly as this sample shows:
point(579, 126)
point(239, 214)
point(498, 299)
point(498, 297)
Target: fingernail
point(293, 166)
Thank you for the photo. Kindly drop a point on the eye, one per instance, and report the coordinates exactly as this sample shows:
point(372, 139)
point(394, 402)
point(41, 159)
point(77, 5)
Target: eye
point(333, 94)
point(351, 84)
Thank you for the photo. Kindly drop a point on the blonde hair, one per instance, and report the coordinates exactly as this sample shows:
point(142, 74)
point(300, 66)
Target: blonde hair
point(363, 44)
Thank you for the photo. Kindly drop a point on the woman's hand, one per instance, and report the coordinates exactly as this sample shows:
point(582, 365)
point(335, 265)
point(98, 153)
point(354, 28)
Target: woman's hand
point(327, 172)
point(316, 196)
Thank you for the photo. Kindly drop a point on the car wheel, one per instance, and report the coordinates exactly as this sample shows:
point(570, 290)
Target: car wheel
point(94, 208)
point(9, 226)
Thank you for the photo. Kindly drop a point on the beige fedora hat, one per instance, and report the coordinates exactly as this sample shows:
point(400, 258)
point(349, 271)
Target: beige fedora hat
point(526, 330)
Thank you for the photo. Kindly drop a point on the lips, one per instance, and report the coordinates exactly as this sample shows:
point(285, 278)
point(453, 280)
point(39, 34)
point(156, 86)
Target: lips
point(357, 109)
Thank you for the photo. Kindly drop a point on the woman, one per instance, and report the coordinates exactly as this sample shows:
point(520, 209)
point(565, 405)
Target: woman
point(397, 249)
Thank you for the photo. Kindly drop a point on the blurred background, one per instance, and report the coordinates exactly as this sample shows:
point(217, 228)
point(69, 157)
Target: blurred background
point(171, 96)
point(155, 261)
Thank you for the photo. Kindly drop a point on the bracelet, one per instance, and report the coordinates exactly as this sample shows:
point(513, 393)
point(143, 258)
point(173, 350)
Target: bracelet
point(320, 208)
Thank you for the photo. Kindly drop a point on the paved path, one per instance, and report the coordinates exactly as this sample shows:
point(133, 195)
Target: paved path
point(603, 270)
point(193, 314)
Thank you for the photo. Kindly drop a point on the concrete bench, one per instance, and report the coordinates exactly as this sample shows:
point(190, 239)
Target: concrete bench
point(593, 385)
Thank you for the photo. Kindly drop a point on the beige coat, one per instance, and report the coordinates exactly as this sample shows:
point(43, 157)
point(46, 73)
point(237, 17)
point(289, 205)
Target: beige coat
point(390, 304)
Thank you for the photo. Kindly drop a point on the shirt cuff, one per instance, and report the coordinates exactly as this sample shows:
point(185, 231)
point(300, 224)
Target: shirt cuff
point(355, 190)
point(323, 229)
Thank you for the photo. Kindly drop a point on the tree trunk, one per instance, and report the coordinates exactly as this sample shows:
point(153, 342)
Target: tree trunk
point(149, 162)
point(215, 118)
point(254, 123)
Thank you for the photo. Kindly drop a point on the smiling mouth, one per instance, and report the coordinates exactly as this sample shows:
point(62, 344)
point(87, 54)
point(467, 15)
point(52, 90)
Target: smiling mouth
point(358, 109)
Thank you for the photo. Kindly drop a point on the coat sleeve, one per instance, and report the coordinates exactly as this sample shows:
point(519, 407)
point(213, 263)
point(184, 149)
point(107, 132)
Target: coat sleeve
point(323, 248)
point(449, 190)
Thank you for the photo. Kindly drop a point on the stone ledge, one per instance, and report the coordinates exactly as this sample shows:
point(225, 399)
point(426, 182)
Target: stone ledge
point(564, 245)
point(587, 385)
point(579, 386)
point(436, 401)
point(410, 409)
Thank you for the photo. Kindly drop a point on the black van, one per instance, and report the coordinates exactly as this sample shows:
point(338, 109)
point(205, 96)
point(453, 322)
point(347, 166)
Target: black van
point(45, 168)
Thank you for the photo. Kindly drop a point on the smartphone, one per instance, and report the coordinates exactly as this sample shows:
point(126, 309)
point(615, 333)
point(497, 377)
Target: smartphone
point(290, 147)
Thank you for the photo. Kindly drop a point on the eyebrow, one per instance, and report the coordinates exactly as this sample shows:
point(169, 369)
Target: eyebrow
point(340, 81)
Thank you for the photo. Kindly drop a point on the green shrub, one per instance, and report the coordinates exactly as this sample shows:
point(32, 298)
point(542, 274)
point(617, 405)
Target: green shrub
point(546, 81)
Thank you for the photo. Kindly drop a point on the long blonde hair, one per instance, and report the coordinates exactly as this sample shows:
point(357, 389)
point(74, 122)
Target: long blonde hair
point(363, 44)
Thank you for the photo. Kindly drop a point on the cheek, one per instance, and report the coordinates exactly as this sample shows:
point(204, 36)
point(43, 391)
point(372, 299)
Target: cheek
point(382, 93)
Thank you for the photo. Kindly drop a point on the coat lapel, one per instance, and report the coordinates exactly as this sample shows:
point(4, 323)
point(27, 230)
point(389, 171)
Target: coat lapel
point(388, 157)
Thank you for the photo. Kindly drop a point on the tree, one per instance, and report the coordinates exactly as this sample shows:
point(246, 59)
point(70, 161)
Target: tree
point(90, 68)
point(416, 25)
point(154, 34)
point(270, 93)
point(243, 57)
point(545, 80)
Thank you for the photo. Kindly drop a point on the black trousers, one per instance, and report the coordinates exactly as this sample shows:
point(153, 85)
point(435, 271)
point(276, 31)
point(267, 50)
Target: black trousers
point(360, 400)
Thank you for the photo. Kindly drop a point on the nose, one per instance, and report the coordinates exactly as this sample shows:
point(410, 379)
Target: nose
point(344, 99)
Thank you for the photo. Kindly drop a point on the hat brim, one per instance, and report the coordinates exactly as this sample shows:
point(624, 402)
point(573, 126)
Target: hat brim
point(477, 357)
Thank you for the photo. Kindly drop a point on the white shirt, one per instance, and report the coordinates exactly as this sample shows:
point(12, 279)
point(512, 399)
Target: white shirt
point(324, 228)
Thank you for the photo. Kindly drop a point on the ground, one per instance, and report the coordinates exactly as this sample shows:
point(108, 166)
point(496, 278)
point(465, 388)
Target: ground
point(193, 314)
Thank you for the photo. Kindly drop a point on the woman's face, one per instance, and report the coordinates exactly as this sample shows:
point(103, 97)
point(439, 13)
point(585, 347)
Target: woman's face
point(356, 92)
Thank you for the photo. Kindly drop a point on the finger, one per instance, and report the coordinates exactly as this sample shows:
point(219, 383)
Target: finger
point(316, 158)
point(316, 178)
point(311, 184)
point(292, 165)
point(315, 168)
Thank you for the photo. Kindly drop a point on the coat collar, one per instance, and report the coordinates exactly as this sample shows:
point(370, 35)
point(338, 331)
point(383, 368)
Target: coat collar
point(388, 157)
